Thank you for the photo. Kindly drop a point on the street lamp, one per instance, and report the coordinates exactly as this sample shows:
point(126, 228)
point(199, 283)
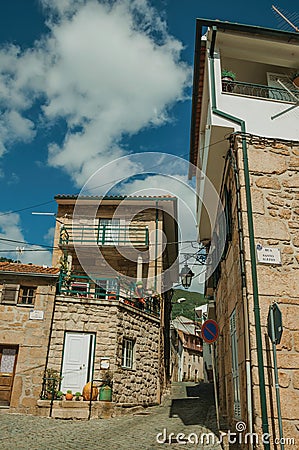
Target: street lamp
point(186, 276)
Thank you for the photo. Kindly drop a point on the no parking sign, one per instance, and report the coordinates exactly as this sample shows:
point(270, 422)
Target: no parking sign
point(210, 331)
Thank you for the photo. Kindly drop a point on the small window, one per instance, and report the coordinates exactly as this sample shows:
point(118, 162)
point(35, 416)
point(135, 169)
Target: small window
point(128, 353)
point(10, 293)
point(27, 295)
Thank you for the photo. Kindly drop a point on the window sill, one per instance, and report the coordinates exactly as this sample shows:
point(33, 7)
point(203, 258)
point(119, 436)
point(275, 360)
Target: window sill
point(24, 305)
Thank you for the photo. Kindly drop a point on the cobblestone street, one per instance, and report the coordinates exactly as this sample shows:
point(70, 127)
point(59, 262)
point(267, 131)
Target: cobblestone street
point(190, 410)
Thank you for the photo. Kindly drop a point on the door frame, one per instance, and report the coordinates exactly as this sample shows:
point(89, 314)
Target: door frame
point(91, 356)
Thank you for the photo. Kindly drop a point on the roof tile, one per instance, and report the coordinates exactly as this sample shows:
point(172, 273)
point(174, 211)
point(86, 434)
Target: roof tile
point(27, 268)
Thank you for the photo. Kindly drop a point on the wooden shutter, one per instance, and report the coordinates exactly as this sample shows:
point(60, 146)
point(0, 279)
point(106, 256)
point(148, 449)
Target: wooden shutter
point(10, 293)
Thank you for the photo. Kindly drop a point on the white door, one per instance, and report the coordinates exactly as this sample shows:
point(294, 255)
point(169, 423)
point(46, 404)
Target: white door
point(77, 361)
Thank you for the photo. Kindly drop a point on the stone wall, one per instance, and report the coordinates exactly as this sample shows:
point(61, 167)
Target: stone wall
point(228, 297)
point(31, 337)
point(111, 321)
point(275, 196)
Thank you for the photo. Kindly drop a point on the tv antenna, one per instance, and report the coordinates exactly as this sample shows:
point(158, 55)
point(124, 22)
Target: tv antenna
point(19, 252)
point(291, 93)
point(283, 16)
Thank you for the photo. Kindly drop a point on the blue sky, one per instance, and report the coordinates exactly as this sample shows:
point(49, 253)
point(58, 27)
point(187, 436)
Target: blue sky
point(85, 82)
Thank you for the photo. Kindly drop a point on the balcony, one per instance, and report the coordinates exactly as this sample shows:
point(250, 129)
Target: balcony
point(111, 289)
point(260, 91)
point(104, 235)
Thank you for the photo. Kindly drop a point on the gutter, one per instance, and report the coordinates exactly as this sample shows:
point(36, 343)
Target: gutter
point(250, 29)
point(242, 124)
point(30, 274)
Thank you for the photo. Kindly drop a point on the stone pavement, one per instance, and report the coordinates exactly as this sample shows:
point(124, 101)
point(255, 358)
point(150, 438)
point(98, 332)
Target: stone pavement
point(190, 410)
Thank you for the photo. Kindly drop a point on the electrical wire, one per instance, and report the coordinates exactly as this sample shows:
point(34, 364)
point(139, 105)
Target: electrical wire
point(104, 184)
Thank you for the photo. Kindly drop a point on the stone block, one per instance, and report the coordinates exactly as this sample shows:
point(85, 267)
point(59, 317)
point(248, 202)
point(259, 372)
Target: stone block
point(267, 182)
point(288, 361)
point(292, 182)
point(261, 161)
point(69, 413)
point(270, 228)
point(284, 379)
point(290, 410)
point(290, 314)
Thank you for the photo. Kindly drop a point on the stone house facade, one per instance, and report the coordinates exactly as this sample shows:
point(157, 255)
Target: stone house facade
point(112, 308)
point(245, 141)
point(27, 295)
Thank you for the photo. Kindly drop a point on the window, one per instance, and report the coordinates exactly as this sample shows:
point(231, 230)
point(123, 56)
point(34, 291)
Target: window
point(27, 295)
point(10, 293)
point(107, 289)
point(127, 353)
point(235, 366)
point(109, 231)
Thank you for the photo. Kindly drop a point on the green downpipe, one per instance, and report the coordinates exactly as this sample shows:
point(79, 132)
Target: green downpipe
point(259, 343)
point(156, 245)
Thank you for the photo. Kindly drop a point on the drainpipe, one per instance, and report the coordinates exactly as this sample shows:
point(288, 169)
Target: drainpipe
point(244, 294)
point(156, 245)
point(241, 123)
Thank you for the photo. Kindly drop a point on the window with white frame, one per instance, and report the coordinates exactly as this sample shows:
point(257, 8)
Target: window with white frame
point(109, 231)
point(128, 353)
point(235, 366)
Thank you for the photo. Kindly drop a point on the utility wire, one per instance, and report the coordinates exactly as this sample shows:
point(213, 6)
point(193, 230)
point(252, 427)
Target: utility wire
point(104, 184)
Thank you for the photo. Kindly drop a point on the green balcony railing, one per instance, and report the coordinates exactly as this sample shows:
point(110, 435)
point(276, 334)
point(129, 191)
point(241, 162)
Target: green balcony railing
point(106, 289)
point(260, 91)
point(109, 235)
point(82, 286)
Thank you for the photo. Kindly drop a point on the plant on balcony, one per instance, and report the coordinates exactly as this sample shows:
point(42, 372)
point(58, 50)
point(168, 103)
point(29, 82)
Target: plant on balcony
point(228, 75)
point(295, 78)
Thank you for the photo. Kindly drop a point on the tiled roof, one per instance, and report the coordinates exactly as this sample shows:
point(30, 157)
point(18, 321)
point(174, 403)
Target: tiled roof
point(27, 268)
point(111, 197)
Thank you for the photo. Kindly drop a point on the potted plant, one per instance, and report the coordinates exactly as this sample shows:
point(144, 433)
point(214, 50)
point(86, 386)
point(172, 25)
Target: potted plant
point(106, 388)
point(77, 396)
point(59, 395)
point(295, 78)
point(228, 75)
point(69, 395)
point(51, 383)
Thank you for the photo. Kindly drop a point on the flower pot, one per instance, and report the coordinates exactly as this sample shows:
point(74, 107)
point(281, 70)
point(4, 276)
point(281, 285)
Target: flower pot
point(227, 84)
point(106, 393)
point(87, 392)
point(68, 396)
point(296, 81)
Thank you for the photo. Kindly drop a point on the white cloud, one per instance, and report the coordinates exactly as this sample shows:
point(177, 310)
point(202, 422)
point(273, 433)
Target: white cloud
point(108, 69)
point(14, 128)
point(49, 236)
point(10, 229)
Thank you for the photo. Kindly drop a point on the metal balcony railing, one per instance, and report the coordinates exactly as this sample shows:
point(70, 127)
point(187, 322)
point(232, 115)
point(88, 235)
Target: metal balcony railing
point(111, 235)
point(260, 91)
point(83, 286)
point(106, 289)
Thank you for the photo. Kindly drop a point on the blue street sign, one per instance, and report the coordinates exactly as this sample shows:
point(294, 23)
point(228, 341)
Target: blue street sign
point(210, 331)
